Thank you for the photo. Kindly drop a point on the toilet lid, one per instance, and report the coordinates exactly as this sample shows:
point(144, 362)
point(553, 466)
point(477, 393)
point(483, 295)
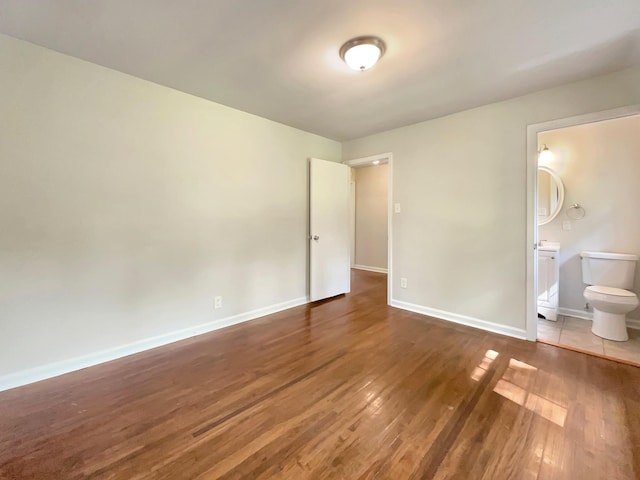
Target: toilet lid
point(618, 292)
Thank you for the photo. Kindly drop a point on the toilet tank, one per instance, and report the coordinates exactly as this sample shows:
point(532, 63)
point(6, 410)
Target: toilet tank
point(608, 269)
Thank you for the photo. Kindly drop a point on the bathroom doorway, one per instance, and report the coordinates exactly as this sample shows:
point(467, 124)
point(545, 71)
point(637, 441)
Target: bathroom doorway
point(582, 185)
point(371, 215)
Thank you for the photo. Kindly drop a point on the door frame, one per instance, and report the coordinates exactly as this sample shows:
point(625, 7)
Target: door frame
point(382, 158)
point(352, 218)
point(531, 283)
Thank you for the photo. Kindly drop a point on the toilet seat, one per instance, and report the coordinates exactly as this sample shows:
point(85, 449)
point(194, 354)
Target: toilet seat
point(610, 295)
point(617, 292)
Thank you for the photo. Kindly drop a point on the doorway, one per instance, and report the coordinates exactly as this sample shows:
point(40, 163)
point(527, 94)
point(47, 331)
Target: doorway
point(580, 187)
point(370, 207)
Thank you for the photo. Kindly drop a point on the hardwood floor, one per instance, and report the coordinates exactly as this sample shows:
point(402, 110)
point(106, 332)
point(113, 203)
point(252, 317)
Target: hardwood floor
point(344, 389)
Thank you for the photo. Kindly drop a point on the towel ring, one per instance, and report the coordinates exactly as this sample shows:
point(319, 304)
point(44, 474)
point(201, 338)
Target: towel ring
point(575, 212)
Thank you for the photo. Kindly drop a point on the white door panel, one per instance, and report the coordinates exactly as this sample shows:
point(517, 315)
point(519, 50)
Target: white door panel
point(330, 272)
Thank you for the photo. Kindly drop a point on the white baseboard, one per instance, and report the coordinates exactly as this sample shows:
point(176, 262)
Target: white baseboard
point(462, 319)
point(633, 323)
point(584, 315)
point(370, 269)
point(572, 312)
point(43, 372)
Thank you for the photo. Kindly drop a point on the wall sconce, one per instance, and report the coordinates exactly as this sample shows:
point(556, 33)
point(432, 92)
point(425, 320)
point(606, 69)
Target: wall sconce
point(545, 156)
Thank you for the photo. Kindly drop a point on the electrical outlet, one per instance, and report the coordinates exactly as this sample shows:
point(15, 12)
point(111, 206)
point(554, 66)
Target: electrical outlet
point(396, 207)
point(403, 283)
point(217, 302)
point(566, 225)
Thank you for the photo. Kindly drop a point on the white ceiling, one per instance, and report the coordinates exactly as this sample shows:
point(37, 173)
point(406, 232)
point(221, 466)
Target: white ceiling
point(279, 58)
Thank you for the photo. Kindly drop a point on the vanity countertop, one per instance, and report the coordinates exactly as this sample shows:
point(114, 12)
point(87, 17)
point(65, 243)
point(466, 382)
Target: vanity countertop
point(547, 246)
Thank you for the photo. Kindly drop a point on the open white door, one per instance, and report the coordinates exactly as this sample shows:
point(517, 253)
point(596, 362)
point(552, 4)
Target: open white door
point(330, 272)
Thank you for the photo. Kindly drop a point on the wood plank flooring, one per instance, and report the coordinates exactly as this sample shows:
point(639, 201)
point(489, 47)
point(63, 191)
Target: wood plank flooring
point(343, 389)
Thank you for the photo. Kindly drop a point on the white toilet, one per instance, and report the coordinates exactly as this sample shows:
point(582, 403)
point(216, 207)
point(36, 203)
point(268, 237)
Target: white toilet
point(609, 275)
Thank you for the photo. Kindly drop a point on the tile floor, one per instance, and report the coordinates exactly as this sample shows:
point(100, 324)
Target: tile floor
point(576, 333)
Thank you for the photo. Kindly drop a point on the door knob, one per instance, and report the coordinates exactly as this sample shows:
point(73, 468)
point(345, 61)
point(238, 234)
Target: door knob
point(316, 237)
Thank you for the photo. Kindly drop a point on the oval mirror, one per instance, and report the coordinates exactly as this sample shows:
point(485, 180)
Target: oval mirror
point(550, 195)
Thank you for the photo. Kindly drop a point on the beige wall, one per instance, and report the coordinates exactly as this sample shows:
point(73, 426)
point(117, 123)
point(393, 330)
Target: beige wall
point(126, 206)
point(599, 164)
point(371, 216)
point(461, 182)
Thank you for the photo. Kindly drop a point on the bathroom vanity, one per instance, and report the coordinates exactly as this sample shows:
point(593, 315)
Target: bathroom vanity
point(548, 278)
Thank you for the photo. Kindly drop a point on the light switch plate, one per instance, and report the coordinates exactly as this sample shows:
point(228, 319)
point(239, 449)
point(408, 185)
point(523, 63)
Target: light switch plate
point(403, 283)
point(396, 207)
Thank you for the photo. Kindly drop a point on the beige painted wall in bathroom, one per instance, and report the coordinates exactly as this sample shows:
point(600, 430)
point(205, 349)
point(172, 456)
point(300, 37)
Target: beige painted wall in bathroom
point(371, 215)
point(600, 167)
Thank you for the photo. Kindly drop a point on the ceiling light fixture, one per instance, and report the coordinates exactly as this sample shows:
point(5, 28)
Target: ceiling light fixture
point(376, 162)
point(362, 53)
point(545, 157)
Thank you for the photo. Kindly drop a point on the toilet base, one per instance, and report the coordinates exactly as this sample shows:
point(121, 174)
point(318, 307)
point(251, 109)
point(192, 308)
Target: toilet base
point(612, 326)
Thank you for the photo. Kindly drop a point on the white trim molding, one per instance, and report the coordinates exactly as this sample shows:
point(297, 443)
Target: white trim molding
point(368, 161)
point(370, 269)
point(572, 312)
point(390, 228)
point(633, 323)
point(462, 319)
point(51, 370)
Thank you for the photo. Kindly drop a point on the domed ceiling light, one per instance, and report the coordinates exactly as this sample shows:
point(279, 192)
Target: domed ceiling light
point(362, 53)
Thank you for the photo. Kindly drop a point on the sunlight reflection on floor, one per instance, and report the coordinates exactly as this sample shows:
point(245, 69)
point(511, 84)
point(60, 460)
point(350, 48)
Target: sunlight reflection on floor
point(483, 366)
point(515, 385)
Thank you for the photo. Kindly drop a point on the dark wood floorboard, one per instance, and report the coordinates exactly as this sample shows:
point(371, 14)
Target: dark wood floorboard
point(343, 389)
